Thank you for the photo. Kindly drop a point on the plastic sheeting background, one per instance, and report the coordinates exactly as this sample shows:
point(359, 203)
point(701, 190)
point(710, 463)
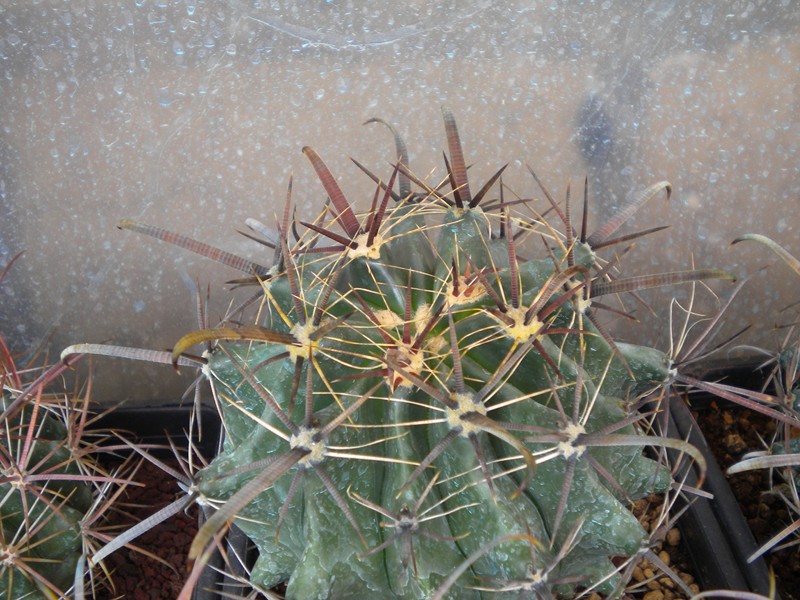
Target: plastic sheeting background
point(191, 115)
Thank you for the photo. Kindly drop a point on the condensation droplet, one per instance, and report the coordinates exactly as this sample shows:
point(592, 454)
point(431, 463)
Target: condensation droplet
point(163, 97)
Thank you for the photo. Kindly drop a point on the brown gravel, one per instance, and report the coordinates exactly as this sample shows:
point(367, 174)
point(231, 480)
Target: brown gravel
point(731, 433)
point(140, 577)
point(648, 581)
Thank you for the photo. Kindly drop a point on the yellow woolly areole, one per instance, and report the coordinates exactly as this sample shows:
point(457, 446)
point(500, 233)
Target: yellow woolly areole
point(469, 291)
point(435, 344)
point(580, 300)
point(388, 319)
point(422, 316)
point(302, 333)
point(464, 406)
point(305, 440)
point(567, 448)
point(534, 579)
point(519, 331)
point(412, 362)
point(371, 251)
point(15, 477)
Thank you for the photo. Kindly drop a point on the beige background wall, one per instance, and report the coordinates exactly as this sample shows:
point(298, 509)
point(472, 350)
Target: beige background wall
point(192, 116)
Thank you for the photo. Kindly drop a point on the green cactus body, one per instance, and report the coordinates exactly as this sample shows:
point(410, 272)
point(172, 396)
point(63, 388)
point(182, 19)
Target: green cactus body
point(40, 511)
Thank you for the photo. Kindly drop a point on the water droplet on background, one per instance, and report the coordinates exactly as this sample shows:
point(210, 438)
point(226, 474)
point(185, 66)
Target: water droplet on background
point(741, 88)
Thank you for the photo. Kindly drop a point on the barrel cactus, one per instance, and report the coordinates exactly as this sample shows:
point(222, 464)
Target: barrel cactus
point(53, 491)
point(782, 404)
point(418, 410)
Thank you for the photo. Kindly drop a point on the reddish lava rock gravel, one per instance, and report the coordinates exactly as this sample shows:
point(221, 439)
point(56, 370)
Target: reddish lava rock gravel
point(137, 576)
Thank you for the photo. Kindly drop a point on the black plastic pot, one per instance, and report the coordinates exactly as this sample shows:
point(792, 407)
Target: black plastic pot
point(716, 532)
point(156, 425)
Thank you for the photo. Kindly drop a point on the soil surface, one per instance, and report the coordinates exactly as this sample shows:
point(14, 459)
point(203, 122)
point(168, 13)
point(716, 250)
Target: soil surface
point(732, 432)
point(135, 575)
